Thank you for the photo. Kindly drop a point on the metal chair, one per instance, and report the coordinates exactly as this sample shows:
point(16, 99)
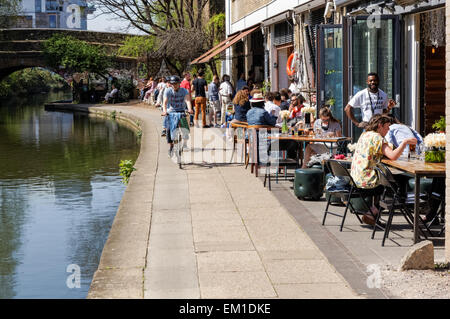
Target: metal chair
point(352, 192)
point(394, 202)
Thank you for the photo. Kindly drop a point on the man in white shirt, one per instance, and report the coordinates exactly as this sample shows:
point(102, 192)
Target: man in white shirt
point(273, 102)
point(371, 101)
point(226, 95)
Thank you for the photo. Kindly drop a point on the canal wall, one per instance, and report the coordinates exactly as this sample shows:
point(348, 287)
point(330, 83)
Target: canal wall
point(120, 273)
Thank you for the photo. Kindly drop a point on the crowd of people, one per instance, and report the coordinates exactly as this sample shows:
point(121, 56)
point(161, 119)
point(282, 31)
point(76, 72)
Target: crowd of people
point(383, 135)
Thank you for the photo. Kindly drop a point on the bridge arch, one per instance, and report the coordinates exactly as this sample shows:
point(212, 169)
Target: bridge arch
point(23, 48)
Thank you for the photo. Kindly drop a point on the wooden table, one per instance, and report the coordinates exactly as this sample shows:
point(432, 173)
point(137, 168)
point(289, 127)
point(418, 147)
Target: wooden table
point(419, 169)
point(309, 139)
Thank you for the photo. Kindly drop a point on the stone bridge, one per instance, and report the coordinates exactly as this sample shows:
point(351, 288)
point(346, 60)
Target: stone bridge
point(22, 48)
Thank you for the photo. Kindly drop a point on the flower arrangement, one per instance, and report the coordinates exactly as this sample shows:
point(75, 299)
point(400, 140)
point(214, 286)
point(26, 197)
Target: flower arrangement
point(284, 114)
point(436, 140)
point(309, 109)
point(435, 148)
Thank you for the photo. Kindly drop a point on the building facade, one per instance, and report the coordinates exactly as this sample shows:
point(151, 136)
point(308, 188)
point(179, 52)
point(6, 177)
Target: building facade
point(59, 14)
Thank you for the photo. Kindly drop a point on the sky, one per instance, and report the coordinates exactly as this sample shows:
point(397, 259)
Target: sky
point(108, 23)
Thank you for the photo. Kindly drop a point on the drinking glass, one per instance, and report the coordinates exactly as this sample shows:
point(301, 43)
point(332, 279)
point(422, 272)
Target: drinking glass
point(412, 151)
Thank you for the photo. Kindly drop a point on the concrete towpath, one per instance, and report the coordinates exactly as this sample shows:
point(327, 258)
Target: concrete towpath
point(206, 231)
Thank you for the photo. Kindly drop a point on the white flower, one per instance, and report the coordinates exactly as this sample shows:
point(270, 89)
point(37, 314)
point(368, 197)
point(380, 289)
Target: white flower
point(435, 140)
point(308, 109)
point(284, 114)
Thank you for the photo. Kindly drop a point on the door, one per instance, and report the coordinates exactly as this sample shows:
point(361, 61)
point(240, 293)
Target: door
point(329, 69)
point(374, 47)
point(283, 54)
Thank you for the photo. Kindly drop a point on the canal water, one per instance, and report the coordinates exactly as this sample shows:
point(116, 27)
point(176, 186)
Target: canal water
point(59, 192)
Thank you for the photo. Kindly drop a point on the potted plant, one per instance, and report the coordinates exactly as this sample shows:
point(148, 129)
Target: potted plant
point(439, 125)
point(435, 148)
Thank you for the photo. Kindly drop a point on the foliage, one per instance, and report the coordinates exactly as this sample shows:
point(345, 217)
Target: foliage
point(125, 87)
point(138, 46)
point(266, 87)
point(440, 125)
point(126, 168)
point(31, 80)
point(435, 156)
point(75, 56)
point(9, 11)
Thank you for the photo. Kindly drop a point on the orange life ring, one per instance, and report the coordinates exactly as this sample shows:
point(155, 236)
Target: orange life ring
point(290, 70)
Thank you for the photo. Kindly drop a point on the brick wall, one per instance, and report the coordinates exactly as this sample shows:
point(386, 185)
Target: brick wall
point(241, 8)
point(447, 116)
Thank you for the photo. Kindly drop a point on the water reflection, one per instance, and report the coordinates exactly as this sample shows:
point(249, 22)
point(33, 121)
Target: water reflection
point(59, 191)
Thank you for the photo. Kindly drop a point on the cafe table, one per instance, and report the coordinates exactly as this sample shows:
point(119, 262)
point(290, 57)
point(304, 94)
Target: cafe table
point(309, 139)
point(418, 168)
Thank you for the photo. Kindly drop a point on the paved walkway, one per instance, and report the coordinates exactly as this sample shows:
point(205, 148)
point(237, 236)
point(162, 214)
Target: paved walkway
point(206, 231)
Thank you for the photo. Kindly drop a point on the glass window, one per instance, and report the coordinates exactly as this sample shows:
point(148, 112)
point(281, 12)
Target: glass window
point(372, 51)
point(332, 69)
point(51, 5)
point(37, 6)
point(52, 21)
point(283, 33)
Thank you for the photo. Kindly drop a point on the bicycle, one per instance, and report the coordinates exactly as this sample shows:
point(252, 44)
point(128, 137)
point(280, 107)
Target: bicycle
point(178, 141)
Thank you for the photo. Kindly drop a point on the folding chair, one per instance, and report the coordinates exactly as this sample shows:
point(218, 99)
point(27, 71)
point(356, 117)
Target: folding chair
point(275, 160)
point(394, 202)
point(338, 170)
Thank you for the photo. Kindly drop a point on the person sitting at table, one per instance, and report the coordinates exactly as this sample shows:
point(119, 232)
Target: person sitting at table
point(369, 150)
point(331, 127)
point(397, 133)
point(257, 115)
point(241, 105)
point(296, 105)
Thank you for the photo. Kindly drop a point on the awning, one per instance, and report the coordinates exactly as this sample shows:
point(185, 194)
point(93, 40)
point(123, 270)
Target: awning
point(214, 48)
point(204, 58)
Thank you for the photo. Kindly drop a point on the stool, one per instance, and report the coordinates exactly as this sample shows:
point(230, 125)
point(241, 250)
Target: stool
point(425, 185)
point(308, 183)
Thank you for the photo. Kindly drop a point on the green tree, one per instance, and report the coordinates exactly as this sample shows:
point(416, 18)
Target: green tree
point(67, 53)
point(76, 56)
point(9, 11)
point(179, 28)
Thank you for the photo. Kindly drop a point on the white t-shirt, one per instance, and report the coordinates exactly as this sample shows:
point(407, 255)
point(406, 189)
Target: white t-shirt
point(272, 108)
point(225, 89)
point(369, 103)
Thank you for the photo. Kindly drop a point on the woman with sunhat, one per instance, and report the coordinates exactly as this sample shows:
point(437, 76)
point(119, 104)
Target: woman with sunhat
point(257, 115)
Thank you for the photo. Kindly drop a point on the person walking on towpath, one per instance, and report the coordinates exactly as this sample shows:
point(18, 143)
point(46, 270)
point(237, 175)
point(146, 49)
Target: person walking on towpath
point(200, 87)
point(371, 101)
point(174, 105)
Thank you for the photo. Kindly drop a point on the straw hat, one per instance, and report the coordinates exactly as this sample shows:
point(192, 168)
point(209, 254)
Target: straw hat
point(258, 97)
